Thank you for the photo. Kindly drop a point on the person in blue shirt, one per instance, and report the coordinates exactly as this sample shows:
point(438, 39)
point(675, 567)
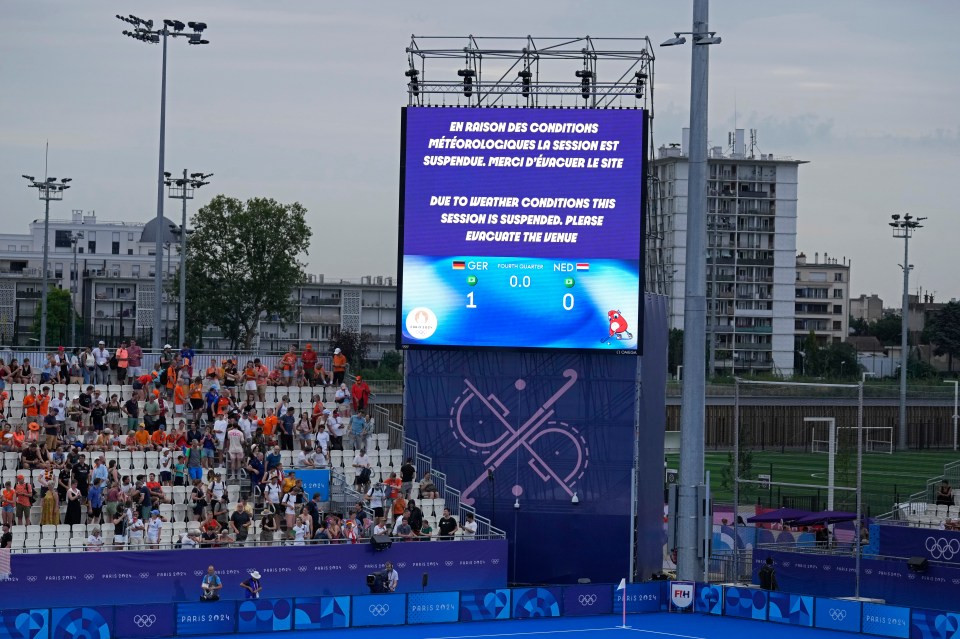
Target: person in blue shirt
point(256, 471)
point(211, 585)
point(252, 585)
point(95, 501)
point(360, 429)
point(212, 398)
point(187, 355)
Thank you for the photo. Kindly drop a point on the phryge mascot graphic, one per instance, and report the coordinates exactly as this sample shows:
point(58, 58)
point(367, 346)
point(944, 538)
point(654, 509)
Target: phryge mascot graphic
point(618, 327)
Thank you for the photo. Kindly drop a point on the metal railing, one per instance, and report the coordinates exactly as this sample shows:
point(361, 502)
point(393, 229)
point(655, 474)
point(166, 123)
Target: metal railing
point(424, 464)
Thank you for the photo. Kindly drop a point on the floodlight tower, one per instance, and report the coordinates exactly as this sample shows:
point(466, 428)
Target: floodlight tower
point(48, 189)
point(182, 189)
point(143, 31)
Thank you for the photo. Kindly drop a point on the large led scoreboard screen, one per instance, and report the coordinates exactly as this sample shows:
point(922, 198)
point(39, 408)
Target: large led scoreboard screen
point(521, 228)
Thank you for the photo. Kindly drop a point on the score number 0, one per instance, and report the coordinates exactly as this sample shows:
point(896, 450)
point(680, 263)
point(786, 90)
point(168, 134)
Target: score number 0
point(524, 282)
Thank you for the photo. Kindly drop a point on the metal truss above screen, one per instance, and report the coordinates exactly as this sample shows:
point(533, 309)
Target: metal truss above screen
point(530, 72)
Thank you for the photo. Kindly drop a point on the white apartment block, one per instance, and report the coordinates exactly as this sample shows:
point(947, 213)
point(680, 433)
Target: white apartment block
point(115, 292)
point(823, 299)
point(751, 239)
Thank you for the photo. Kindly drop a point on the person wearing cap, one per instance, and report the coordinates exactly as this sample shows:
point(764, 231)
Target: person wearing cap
point(101, 357)
point(360, 394)
point(252, 585)
point(339, 366)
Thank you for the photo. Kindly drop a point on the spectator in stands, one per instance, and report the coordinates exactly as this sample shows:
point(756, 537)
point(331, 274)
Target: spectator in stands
point(262, 375)
point(190, 539)
point(285, 427)
point(428, 489)
point(309, 360)
point(8, 502)
point(360, 394)
point(6, 539)
point(416, 516)
point(447, 526)
point(210, 585)
point(123, 362)
point(360, 428)
point(240, 524)
point(338, 428)
point(288, 364)
point(426, 531)
point(298, 531)
point(94, 541)
point(469, 528)
point(101, 357)
point(268, 526)
point(26, 372)
point(361, 465)
point(95, 502)
point(407, 474)
point(945, 493)
point(339, 366)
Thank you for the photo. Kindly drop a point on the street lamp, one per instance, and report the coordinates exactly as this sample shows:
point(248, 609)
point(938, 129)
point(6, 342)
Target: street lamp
point(904, 226)
point(48, 189)
point(182, 189)
point(74, 287)
point(143, 31)
point(955, 415)
point(693, 394)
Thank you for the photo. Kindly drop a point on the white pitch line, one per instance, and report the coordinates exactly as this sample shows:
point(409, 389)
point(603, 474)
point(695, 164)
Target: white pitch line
point(523, 634)
point(550, 632)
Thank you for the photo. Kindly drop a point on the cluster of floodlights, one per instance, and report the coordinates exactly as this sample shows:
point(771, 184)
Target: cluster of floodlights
point(196, 180)
point(49, 185)
point(143, 30)
point(526, 81)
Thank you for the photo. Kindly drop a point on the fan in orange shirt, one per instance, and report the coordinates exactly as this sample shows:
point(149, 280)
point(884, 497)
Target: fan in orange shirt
point(269, 425)
point(158, 438)
point(30, 406)
point(179, 399)
point(142, 437)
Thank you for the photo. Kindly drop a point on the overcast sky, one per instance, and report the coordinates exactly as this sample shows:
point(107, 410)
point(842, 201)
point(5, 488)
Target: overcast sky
point(300, 101)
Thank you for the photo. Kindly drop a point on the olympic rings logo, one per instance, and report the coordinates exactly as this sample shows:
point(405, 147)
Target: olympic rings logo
point(379, 610)
point(352, 566)
point(144, 621)
point(89, 577)
point(587, 600)
point(838, 614)
point(940, 548)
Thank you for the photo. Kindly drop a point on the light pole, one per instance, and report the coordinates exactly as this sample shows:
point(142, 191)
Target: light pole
point(143, 31)
point(955, 415)
point(182, 189)
point(693, 393)
point(904, 227)
point(48, 189)
point(74, 287)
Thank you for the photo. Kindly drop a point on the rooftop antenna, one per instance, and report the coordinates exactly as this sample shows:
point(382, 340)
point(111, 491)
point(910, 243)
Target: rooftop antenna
point(753, 143)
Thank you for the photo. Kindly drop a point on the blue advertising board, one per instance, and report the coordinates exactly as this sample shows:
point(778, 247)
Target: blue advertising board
point(379, 610)
point(86, 622)
point(315, 481)
point(750, 603)
point(484, 605)
point(536, 602)
point(170, 576)
point(321, 613)
point(887, 621)
point(790, 608)
point(24, 623)
point(837, 614)
point(265, 615)
point(144, 620)
point(650, 596)
point(708, 599)
point(934, 624)
point(433, 607)
point(587, 599)
point(526, 220)
point(206, 618)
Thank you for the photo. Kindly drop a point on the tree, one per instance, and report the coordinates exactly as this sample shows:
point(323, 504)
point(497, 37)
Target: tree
point(674, 349)
point(59, 306)
point(243, 262)
point(886, 329)
point(943, 329)
point(391, 361)
point(353, 345)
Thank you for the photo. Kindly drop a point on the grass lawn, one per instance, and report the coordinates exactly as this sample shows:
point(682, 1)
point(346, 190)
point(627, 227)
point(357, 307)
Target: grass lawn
point(885, 477)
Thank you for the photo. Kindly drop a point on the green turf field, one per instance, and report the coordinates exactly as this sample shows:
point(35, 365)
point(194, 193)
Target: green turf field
point(885, 477)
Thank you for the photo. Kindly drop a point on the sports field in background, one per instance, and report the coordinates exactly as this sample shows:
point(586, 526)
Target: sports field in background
point(885, 477)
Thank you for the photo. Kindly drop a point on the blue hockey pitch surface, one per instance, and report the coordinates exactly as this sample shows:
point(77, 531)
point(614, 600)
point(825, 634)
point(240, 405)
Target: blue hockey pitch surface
point(640, 626)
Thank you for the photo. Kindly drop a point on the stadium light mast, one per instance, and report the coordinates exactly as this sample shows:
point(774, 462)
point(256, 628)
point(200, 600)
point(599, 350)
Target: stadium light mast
point(143, 31)
point(903, 227)
point(48, 189)
point(693, 397)
point(182, 189)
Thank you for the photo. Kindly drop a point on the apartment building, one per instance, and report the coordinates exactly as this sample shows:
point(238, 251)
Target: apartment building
point(822, 299)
